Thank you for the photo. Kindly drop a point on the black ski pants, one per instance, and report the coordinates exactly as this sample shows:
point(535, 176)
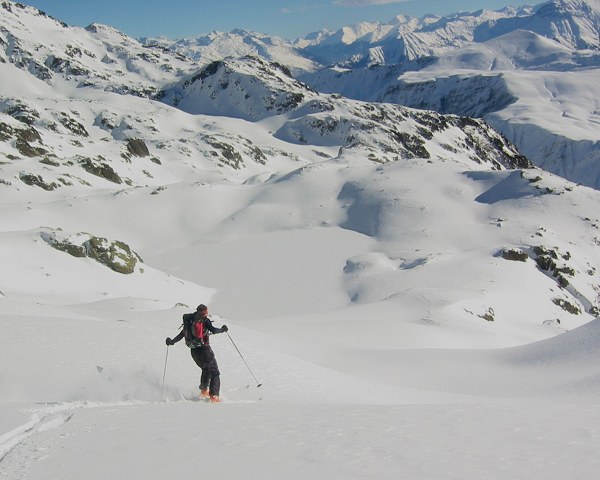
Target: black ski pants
point(211, 377)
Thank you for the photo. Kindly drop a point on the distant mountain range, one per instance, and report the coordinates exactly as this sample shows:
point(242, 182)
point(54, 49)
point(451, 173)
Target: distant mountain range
point(84, 103)
point(530, 72)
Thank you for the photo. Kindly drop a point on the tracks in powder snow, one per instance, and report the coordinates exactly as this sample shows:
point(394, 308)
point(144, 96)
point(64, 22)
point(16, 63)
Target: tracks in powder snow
point(45, 419)
point(50, 416)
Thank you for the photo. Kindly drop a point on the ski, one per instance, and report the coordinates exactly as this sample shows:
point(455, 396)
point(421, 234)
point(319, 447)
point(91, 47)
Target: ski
point(237, 389)
point(195, 398)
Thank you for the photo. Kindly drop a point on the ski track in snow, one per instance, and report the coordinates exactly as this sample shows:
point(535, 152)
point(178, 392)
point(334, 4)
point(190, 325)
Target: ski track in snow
point(489, 440)
point(22, 443)
point(44, 419)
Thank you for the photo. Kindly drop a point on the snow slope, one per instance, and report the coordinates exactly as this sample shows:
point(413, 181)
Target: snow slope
point(324, 276)
point(551, 116)
point(413, 298)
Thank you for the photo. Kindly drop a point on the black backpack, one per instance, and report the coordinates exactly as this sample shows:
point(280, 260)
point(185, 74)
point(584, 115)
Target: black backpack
point(189, 332)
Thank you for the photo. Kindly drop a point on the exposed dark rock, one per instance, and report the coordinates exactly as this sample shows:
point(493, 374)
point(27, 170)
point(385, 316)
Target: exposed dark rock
point(414, 147)
point(567, 306)
point(106, 121)
point(137, 147)
point(73, 125)
point(100, 169)
point(37, 181)
point(22, 112)
point(116, 255)
point(49, 161)
point(545, 262)
point(541, 250)
point(514, 254)
point(27, 134)
point(28, 150)
point(230, 155)
point(489, 315)
point(6, 132)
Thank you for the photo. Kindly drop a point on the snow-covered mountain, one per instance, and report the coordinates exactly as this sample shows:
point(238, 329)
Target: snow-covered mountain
point(572, 24)
point(472, 63)
point(79, 123)
point(238, 43)
point(575, 24)
point(404, 283)
point(248, 124)
point(98, 55)
point(530, 72)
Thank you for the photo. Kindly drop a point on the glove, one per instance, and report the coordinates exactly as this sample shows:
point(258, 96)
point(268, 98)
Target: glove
point(224, 328)
point(168, 341)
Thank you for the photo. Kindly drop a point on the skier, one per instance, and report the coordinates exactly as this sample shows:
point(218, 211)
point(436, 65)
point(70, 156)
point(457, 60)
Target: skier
point(196, 329)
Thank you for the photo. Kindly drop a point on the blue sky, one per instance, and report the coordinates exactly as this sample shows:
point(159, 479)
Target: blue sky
point(284, 18)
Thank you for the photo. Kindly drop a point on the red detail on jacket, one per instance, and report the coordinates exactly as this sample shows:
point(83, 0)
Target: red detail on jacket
point(198, 329)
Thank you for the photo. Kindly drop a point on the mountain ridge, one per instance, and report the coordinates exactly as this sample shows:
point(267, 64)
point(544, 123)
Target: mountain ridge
point(397, 61)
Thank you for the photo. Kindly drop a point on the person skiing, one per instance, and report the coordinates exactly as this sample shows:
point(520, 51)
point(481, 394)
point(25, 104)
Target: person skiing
point(196, 330)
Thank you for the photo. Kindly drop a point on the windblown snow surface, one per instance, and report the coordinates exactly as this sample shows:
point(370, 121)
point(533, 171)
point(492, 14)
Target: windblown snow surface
point(361, 317)
point(371, 301)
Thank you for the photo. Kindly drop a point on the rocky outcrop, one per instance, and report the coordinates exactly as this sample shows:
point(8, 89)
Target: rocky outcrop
point(113, 254)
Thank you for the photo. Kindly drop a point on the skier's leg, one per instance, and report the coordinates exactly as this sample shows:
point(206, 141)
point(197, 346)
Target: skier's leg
point(213, 368)
point(215, 385)
point(200, 358)
point(205, 380)
point(197, 356)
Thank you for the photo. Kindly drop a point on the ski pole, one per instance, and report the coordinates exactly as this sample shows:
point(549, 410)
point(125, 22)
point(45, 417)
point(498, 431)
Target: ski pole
point(246, 363)
point(164, 375)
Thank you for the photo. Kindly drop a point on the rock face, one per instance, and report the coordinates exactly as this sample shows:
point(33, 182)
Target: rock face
point(251, 88)
point(114, 254)
point(137, 147)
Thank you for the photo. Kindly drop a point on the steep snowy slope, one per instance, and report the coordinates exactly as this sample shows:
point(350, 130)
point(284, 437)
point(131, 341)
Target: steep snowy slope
point(99, 55)
point(77, 138)
point(574, 24)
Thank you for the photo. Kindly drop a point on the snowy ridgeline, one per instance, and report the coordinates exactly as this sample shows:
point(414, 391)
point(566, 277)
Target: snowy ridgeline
point(530, 71)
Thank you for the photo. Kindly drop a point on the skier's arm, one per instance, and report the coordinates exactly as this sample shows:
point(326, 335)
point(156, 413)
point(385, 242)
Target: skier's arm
point(176, 339)
point(214, 329)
